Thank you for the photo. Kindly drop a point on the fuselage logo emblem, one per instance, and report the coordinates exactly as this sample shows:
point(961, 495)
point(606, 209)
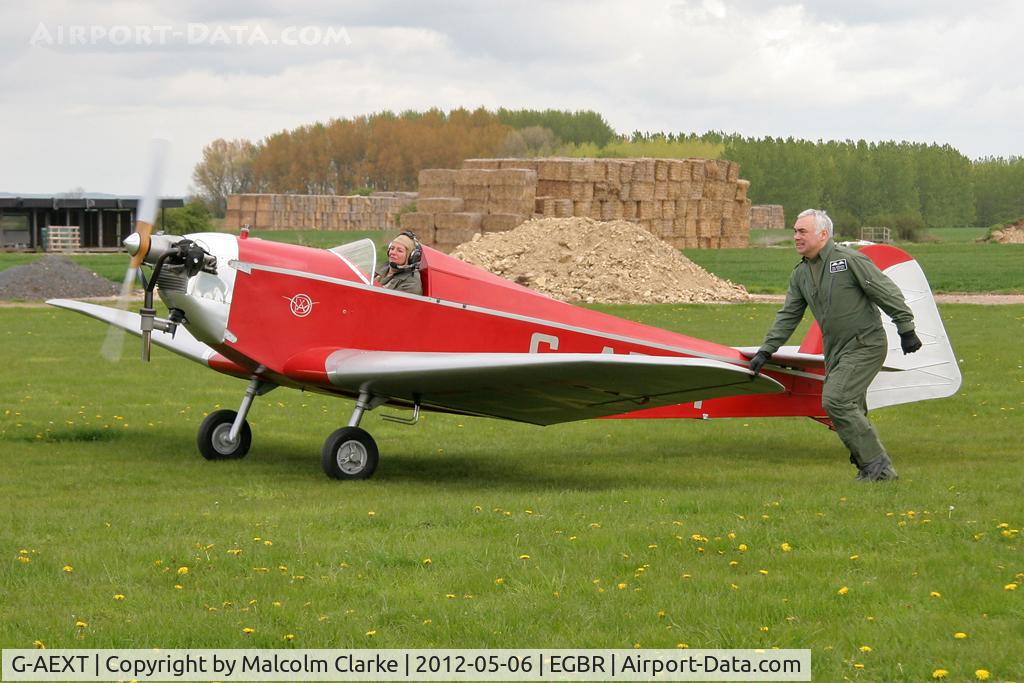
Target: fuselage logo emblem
point(301, 305)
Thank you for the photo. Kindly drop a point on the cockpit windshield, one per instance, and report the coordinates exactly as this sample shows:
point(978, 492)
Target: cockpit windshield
point(361, 255)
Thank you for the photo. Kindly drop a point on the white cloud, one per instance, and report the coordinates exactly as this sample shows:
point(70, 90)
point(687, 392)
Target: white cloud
point(926, 71)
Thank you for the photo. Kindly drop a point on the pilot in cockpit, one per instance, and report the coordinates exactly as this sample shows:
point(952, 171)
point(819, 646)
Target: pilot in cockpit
point(401, 272)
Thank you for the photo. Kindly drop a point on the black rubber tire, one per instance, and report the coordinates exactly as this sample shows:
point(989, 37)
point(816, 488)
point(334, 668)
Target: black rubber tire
point(212, 436)
point(349, 453)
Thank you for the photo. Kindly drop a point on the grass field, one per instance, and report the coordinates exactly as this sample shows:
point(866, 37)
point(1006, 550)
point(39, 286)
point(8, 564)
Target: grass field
point(956, 265)
point(734, 533)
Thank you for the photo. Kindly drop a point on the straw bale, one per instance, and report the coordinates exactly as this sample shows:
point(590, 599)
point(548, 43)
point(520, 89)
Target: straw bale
point(480, 192)
point(520, 206)
point(511, 191)
point(554, 188)
point(581, 169)
point(437, 176)
point(629, 210)
point(678, 170)
point(247, 202)
point(641, 190)
point(734, 172)
point(234, 202)
point(597, 171)
point(581, 190)
point(661, 169)
point(481, 163)
point(645, 209)
point(513, 176)
point(473, 176)
point(475, 206)
point(602, 192)
point(500, 222)
point(458, 221)
point(582, 208)
point(643, 170)
point(553, 169)
point(419, 223)
point(563, 208)
point(453, 236)
point(611, 211)
point(661, 187)
point(435, 191)
point(697, 169)
point(742, 186)
point(529, 164)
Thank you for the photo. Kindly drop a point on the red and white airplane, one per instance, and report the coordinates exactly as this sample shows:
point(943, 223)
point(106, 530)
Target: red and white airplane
point(473, 344)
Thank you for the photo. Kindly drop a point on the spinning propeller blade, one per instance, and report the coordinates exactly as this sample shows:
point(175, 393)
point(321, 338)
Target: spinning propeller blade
point(137, 244)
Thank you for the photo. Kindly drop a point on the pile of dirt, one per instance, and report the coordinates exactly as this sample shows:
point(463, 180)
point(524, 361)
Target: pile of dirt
point(580, 259)
point(53, 277)
point(1009, 234)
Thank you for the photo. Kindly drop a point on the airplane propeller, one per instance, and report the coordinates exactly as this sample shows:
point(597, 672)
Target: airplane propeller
point(137, 244)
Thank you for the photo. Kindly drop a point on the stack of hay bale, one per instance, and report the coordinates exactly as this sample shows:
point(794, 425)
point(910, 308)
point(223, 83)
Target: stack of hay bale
point(379, 211)
point(767, 217)
point(454, 205)
point(689, 203)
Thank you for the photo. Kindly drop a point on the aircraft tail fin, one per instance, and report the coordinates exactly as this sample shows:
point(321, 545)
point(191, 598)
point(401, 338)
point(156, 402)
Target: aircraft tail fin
point(931, 372)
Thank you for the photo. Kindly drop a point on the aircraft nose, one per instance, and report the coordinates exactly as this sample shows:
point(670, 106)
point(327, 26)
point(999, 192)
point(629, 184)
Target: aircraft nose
point(132, 243)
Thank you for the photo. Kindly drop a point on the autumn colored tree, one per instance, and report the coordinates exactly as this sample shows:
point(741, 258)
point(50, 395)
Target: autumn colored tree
point(226, 168)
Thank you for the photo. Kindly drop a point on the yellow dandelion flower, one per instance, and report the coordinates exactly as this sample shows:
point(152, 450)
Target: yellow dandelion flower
point(940, 673)
point(427, 561)
point(524, 557)
point(289, 637)
point(652, 546)
point(865, 648)
point(843, 591)
point(24, 559)
point(733, 563)
point(731, 536)
point(182, 570)
point(959, 635)
point(742, 547)
point(248, 630)
point(935, 594)
point(982, 674)
point(764, 629)
point(276, 603)
point(1010, 587)
point(119, 596)
point(734, 586)
point(854, 557)
point(428, 622)
point(235, 551)
point(858, 666)
point(371, 513)
point(81, 624)
point(661, 614)
point(682, 646)
point(621, 586)
point(371, 633)
point(450, 596)
point(786, 547)
point(68, 568)
point(762, 572)
point(268, 543)
point(38, 644)
point(498, 581)
point(178, 586)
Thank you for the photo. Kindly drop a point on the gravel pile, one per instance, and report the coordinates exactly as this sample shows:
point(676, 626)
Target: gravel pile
point(53, 277)
point(580, 259)
point(1010, 234)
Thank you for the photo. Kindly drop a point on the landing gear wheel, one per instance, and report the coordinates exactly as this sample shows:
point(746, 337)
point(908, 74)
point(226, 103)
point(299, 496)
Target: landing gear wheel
point(349, 453)
point(213, 437)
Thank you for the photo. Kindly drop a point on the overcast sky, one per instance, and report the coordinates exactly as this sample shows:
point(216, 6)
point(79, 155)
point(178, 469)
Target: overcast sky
point(85, 85)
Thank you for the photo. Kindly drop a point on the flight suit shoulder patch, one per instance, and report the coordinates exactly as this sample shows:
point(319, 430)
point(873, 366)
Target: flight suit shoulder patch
point(837, 266)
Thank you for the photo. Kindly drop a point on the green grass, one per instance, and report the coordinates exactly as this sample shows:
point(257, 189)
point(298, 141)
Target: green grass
point(101, 474)
point(950, 267)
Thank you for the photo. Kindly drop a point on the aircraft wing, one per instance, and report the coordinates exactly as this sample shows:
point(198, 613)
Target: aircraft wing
point(538, 388)
point(181, 343)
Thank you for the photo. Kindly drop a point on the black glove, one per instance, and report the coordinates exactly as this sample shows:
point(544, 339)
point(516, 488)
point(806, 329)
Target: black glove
point(758, 361)
point(909, 342)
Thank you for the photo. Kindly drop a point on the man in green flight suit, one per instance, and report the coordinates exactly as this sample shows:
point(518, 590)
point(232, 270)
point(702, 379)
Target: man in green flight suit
point(843, 288)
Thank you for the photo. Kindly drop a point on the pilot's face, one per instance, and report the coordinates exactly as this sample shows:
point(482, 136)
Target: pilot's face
point(398, 254)
point(808, 239)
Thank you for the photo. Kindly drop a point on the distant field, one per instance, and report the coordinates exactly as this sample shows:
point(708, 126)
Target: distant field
point(478, 533)
point(954, 264)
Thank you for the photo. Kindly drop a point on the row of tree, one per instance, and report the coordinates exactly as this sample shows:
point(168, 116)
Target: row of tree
point(859, 183)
